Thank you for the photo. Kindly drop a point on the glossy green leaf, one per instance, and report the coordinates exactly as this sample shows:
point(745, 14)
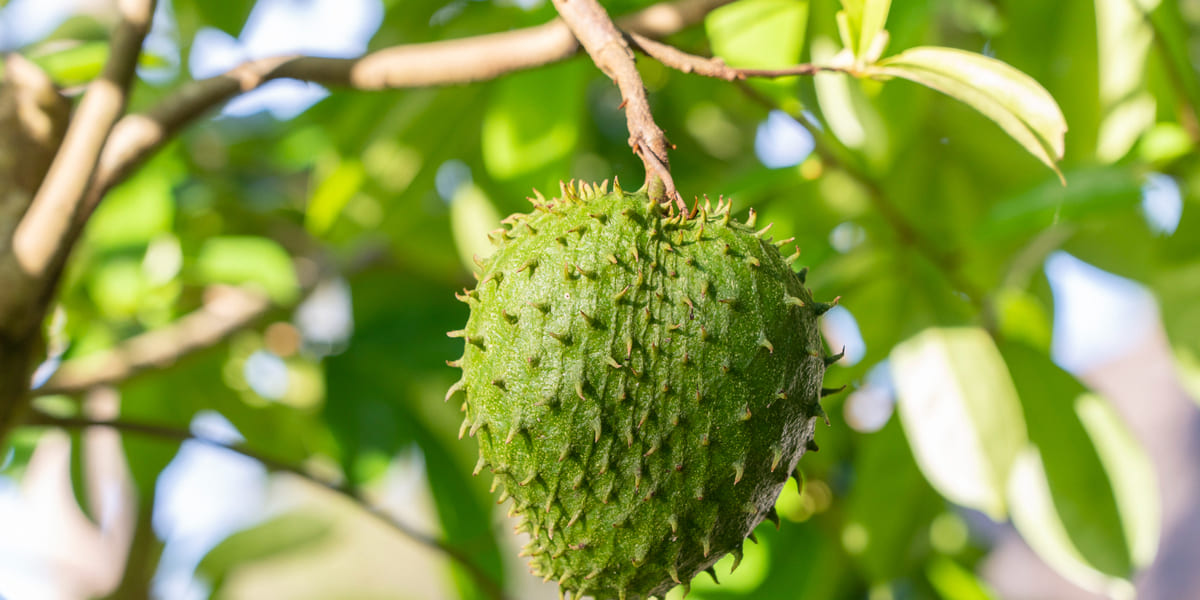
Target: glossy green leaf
point(1177, 288)
point(138, 210)
point(1036, 517)
point(16, 450)
point(473, 217)
point(758, 33)
point(285, 534)
point(533, 120)
point(1164, 143)
point(1124, 37)
point(1089, 192)
point(879, 542)
point(1022, 317)
point(1133, 476)
point(961, 414)
point(249, 260)
point(848, 111)
point(332, 193)
point(227, 15)
point(1014, 100)
point(76, 64)
point(117, 287)
point(861, 22)
point(1085, 496)
point(79, 61)
point(954, 582)
point(390, 396)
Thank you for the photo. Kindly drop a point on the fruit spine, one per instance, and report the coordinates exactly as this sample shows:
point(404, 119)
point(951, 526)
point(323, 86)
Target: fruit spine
point(641, 382)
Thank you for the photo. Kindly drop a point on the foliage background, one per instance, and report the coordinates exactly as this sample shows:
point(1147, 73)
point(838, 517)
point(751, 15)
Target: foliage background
point(358, 216)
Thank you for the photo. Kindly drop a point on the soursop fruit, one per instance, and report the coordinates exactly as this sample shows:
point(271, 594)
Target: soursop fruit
point(641, 382)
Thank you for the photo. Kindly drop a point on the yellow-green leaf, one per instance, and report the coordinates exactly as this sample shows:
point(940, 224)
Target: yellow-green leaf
point(1014, 100)
point(961, 414)
point(758, 33)
point(249, 260)
point(860, 22)
point(332, 194)
point(472, 217)
point(1085, 497)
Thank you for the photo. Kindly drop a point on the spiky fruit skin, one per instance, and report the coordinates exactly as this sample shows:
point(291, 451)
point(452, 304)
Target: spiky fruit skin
point(641, 384)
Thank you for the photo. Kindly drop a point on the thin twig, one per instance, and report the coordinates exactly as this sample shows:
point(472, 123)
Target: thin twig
point(138, 136)
point(41, 237)
point(715, 67)
point(175, 434)
point(606, 45)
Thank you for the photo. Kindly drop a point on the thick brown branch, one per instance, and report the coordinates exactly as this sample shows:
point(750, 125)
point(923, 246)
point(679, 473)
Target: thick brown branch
point(606, 45)
point(33, 119)
point(479, 58)
point(714, 67)
point(181, 435)
point(42, 236)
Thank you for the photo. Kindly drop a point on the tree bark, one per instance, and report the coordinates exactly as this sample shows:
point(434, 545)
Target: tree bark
point(33, 119)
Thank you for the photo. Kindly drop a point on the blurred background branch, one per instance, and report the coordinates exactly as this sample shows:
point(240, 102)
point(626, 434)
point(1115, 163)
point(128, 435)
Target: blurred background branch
point(39, 418)
point(447, 62)
point(41, 239)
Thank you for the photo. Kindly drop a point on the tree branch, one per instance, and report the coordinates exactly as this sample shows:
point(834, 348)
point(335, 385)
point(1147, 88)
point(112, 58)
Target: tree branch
point(42, 237)
point(485, 581)
point(136, 137)
point(715, 67)
point(608, 49)
point(33, 119)
point(226, 311)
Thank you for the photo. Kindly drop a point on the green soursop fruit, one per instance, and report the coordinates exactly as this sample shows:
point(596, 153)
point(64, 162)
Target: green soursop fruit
point(641, 382)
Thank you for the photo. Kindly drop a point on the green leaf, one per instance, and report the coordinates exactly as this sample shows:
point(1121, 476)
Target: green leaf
point(138, 210)
point(847, 110)
point(117, 287)
point(1164, 143)
point(332, 194)
point(472, 217)
point(1023, 317)
point(961, 414)
point(227, 15)
point(1090, 192)
point(953, 582)
point(275, 537)
point(533, 120)
point(1123, 44)
point(758, 33)
point(249, 260)
point(76, 64)
point(896, 487)
point(1177, 288)
point(389, 385)
point(1187, 362)
point(860, 22)
point(1014, 100)
point(1035, 516)
point(1085, 495)
point(16, 450)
